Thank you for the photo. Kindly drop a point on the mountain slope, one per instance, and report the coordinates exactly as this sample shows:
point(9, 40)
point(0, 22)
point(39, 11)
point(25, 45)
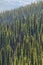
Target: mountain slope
point(26, 11)
point(21, 36)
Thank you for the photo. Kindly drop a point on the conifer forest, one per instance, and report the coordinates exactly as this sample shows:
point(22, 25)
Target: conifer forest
point(21, 35)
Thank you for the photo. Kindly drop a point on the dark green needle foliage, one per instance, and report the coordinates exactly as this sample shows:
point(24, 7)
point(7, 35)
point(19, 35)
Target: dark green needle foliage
point(21, 36)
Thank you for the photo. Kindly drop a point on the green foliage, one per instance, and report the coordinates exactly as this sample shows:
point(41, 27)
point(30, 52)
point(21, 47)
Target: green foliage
point(21, 36)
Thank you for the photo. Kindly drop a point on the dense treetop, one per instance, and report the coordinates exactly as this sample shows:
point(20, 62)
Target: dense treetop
point(21, 36)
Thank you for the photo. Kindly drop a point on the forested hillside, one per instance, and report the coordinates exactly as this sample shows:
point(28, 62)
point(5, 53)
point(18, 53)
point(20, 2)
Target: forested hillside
point(21, 36)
